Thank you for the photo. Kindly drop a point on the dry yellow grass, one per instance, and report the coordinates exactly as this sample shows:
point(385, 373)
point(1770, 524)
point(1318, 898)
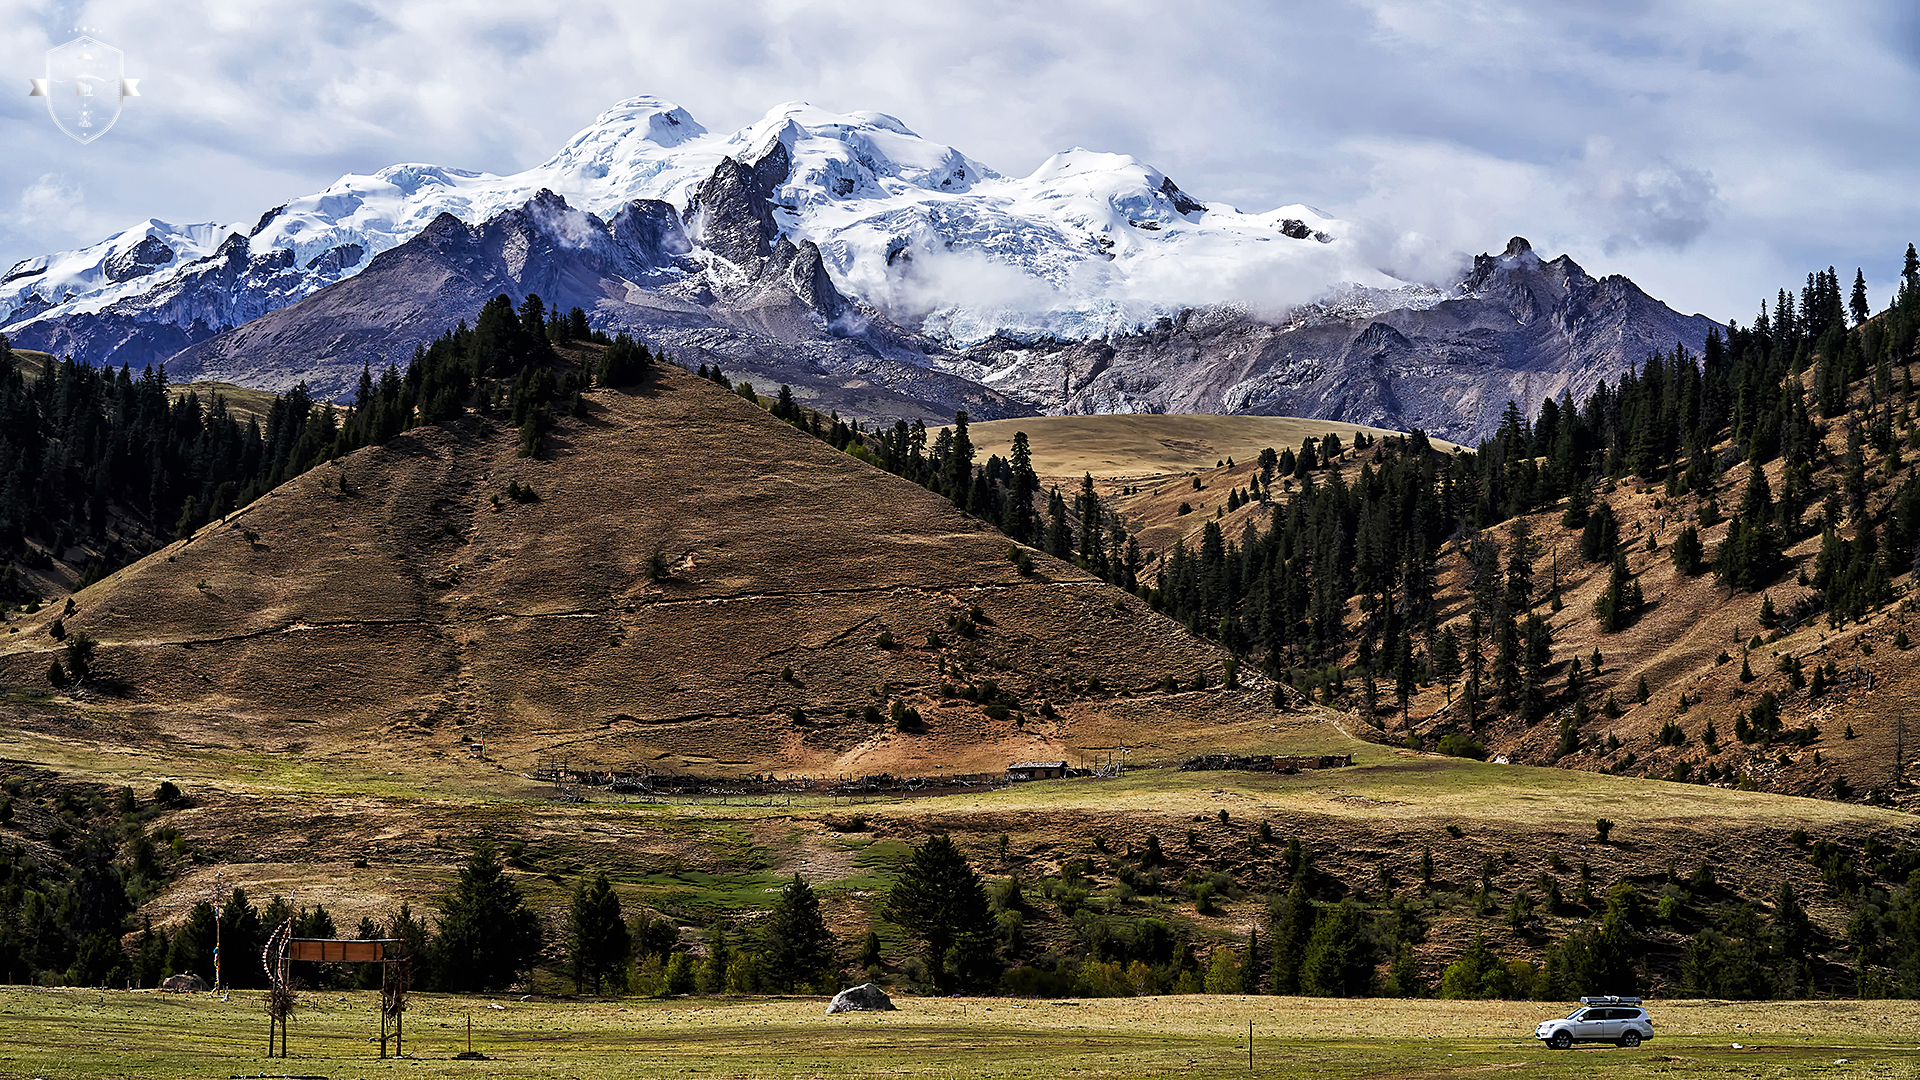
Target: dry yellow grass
point(1138, 446)
point(86, 1034)
point(420, 606)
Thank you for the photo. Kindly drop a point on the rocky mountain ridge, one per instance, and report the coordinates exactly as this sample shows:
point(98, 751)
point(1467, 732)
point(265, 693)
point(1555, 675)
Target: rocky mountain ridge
point(879, 273)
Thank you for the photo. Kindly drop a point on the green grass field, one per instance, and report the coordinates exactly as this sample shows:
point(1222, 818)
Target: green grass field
point(86, 1033)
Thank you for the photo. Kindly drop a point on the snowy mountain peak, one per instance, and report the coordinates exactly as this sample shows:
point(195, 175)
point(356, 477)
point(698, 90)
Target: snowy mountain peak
point(1087, 245)
point(837, 156)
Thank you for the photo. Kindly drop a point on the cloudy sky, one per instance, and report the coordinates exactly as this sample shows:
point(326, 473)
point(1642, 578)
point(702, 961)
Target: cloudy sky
point(1712, 151)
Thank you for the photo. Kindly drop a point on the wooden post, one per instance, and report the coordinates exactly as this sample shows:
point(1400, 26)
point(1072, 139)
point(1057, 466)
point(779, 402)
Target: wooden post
point(1249, 1046)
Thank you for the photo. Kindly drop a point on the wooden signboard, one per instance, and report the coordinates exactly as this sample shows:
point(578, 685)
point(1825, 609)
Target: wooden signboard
point(338, 950)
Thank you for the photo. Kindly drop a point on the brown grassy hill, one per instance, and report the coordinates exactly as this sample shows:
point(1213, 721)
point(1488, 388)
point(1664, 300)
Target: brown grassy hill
point(421, 605)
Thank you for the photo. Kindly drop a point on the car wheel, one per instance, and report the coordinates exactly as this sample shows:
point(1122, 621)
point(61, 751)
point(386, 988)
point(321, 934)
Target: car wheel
point(1630, 1039)
point(1560, 1040)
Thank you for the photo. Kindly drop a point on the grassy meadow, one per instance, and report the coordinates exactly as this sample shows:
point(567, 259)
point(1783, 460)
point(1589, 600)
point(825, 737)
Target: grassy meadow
point(80, 1034)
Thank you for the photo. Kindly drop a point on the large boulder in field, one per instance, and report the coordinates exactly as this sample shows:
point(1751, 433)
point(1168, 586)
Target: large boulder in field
point(184, 984)
point(863, 998)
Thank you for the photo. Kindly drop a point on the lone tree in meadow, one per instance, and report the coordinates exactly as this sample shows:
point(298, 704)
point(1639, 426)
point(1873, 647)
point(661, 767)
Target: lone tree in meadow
point(487, 938)
point(597, 940)
point(940, 900)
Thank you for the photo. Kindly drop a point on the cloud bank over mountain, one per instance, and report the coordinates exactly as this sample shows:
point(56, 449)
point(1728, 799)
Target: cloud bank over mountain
point(1717, 149)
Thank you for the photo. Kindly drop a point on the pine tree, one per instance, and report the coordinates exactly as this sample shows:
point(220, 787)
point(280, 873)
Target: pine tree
point(1601, 534)
point(1686, 551)
point(1858, 302)
point(1617, 605)
point(486, 938)
point(1292, 922)
point(940, 900)
point(1018, 520)
point(958, 470)
point(798, 948)
point(624, 362)
point(712, 975)
point(1477, 974)
point(1340, 957)
point(1446, 660)
point(597, 938)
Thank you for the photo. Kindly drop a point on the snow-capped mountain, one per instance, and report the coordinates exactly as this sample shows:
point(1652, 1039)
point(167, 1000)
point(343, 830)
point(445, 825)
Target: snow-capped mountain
point(876, 272)
point(1089, 244)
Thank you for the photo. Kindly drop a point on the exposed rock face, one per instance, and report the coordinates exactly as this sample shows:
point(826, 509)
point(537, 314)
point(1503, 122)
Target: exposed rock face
point(863, 998)
point(650, 234)
point(25, 268)
point(1517, 328)
point(143, 258)
point(184, 984)
point(338, 258)
point(632, 274)
point(733, 208)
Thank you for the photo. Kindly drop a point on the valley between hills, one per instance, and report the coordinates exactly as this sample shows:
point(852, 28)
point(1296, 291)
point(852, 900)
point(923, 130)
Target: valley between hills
point(676, 580)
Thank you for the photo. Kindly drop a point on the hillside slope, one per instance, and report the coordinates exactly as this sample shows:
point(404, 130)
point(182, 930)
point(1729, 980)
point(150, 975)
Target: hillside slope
point(422, 604)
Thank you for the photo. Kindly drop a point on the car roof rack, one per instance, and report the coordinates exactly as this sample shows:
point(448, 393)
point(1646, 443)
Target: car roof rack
point(1609, 1000)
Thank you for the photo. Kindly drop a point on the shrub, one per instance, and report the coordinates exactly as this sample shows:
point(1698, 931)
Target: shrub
point(1457, 744)
point(1022, 562)
point(1602, 828)
point(79, 651)
point(905, 717)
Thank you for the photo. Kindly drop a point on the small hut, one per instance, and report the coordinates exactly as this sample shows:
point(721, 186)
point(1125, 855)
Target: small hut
point(1036, 770)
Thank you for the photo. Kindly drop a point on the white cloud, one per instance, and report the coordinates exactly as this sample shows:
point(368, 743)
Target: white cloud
point(1715, 149)
point(52, 202)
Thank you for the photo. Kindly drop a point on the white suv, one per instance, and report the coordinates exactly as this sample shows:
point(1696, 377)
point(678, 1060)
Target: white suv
point(1618, 1020)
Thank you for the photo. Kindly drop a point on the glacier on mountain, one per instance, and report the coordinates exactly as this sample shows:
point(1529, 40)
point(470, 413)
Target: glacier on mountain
point(1087, 246)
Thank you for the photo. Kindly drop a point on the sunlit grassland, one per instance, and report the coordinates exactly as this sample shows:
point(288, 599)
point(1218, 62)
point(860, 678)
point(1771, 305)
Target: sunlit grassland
point(85, 1033)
